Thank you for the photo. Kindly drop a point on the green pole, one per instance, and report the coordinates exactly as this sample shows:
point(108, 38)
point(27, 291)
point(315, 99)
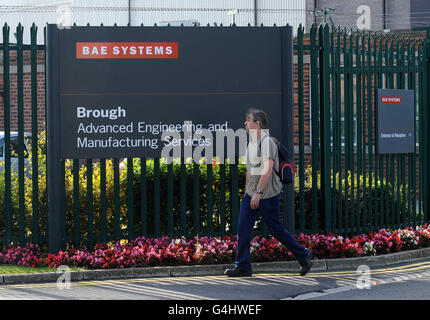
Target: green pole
point(325, 125)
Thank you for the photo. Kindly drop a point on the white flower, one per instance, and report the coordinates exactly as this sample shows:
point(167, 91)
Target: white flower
point(368, 249)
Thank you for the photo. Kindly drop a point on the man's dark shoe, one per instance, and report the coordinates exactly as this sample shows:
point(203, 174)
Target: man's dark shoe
point(237, 272)
point(307, 265)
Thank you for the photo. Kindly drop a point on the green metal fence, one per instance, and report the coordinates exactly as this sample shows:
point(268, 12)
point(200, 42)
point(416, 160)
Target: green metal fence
point(342, 186)
point(354, 189)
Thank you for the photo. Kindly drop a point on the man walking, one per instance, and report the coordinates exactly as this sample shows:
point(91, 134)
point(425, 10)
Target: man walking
point(263, 194)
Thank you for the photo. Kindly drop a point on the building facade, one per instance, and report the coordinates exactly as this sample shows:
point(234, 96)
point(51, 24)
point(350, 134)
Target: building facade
point(371, 14)
point(150, 12)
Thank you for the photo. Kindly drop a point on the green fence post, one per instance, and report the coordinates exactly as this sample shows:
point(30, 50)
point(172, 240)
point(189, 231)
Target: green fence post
point(183, 193)
point(20, 84)
point(170, 197)
point(398, 177)
point(333, 95)
point(76, 206)
point(337, 131)
point(425, 131)
point(103, 200)
point(314, 127)
point(234, 194)
point(324, 74)
point(90, 207)
point(143, 197)
point(346, 126)
point(157, 191)
point(376, 191)
point(368, 114)
point(420, 121)
point(300, 79)
point(349, 133)
point(359, 81)
point(45, 74)
point(6, 99)
point(391, 86)
point(34, 132)
point(116, 191)
point(62, 186)
point(403, 156)
point(209, 199)
point(130, 199)
point(196, 197)
point(381, 157)
point(412, 157)
point(222, 192)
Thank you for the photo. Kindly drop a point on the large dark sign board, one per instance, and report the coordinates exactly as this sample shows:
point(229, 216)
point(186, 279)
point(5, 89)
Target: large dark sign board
point(120, 88)
point(395, 121)
point(114, 91)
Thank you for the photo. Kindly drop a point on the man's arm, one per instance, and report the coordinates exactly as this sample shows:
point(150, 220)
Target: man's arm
point(264, 179)
point(246, 179)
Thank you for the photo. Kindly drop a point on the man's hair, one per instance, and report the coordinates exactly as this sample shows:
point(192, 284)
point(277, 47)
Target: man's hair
point(258, 115)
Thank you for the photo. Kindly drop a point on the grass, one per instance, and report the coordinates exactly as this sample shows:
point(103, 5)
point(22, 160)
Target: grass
point(10, 269)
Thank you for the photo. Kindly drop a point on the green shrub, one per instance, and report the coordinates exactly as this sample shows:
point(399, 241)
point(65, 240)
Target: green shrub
point(358, 192)
point(123, 195)
point(343, 196)
point(14, 203)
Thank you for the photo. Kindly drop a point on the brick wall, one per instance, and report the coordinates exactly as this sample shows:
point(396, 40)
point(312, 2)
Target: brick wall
point(27, 94)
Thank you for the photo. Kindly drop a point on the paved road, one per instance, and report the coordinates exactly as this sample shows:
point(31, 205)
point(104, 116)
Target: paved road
point(404, 281)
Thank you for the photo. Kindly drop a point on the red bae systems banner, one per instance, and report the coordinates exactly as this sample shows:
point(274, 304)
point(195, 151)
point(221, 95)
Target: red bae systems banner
point(388, 99)
point(126, 50)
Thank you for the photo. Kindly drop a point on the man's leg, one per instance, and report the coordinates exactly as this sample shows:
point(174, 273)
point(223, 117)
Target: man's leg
point(247, 218)
point(270, 210)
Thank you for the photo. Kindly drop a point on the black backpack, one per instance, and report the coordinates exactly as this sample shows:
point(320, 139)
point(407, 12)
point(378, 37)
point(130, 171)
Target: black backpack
point(286, 167)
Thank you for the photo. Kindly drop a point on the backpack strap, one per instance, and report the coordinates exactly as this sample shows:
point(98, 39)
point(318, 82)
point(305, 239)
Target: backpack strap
point(277, 144)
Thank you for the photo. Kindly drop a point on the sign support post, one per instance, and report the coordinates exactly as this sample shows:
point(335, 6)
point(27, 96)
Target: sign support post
point(288, 121)
point(53, 139)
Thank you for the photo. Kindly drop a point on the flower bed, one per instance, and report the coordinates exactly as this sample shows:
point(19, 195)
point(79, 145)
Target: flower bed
point(165, 251)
